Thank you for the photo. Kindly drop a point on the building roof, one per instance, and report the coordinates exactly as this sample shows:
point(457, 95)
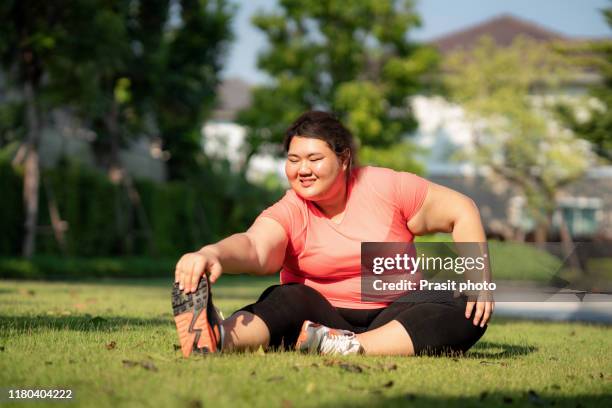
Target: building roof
point(503, 29)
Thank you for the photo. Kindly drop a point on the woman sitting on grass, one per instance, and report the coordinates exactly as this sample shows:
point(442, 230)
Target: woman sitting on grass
point(314, 235)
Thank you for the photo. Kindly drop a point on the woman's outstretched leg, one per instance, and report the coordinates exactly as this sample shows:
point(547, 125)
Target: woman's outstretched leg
point(281, 309)
point(273, 321)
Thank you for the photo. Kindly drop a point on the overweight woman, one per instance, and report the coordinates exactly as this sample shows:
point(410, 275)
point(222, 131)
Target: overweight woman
point(313, 235)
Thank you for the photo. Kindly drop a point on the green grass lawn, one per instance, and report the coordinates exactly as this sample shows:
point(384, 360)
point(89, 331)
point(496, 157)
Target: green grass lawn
point(113, 344)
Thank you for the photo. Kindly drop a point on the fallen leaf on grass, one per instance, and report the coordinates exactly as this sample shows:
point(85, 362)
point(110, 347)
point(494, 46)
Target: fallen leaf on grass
point(195, 404)
point(286, 404)
point(111, 345)
point(276, 378)
point(376, 389)
point(147, 365)
point(388, 367)
point(494, 363)
point(331, 362)
point(353, 368)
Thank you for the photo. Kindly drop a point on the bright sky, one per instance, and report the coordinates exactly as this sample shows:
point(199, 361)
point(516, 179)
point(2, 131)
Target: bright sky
point(570, 17)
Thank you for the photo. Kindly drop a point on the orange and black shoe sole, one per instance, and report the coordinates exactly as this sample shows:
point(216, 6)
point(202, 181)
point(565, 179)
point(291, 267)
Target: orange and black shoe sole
point(191, 310)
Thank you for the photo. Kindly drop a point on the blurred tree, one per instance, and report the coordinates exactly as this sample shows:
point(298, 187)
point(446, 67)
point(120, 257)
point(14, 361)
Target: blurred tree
point(30, 36)
point(107, 75)
point(592, 120)
point(508, 95)
point(126, 68)
point(153, 70)
point(92, 74)
point(189, 63)
point(354, 59)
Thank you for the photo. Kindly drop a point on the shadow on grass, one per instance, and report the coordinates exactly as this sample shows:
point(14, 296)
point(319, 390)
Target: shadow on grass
point(4, 291)
point(375, 397)
point(483, 349)
point(85, 323)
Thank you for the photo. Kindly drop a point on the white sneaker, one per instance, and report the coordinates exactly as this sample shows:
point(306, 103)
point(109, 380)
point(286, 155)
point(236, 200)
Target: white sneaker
point(316, 338)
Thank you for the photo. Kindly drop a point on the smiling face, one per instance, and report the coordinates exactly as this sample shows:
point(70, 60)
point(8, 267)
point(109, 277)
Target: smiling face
point(314, 171)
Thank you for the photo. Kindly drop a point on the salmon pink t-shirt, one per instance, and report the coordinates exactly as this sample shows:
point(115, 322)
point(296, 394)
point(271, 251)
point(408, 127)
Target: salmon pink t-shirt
point(326, 255)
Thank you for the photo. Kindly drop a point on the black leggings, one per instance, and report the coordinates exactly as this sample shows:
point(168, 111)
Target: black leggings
point(436, 325)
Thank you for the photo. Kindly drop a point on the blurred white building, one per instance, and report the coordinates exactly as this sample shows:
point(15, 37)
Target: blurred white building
point(223, 138)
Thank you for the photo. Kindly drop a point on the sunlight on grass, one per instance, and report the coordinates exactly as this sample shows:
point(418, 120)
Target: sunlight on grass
point(113, 343)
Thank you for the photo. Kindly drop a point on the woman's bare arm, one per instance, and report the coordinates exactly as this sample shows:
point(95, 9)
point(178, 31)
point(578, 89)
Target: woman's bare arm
point(259, 251)
point(446, 210)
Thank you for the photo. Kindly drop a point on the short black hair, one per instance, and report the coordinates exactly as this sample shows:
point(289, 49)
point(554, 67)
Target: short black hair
point(324, 126)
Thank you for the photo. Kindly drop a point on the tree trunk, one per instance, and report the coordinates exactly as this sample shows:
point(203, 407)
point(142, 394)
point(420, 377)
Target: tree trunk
point(111, 123)
point(568, 247)
point(59, 226)
point(541, 232)
point(119, 175)
point(31, 178)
